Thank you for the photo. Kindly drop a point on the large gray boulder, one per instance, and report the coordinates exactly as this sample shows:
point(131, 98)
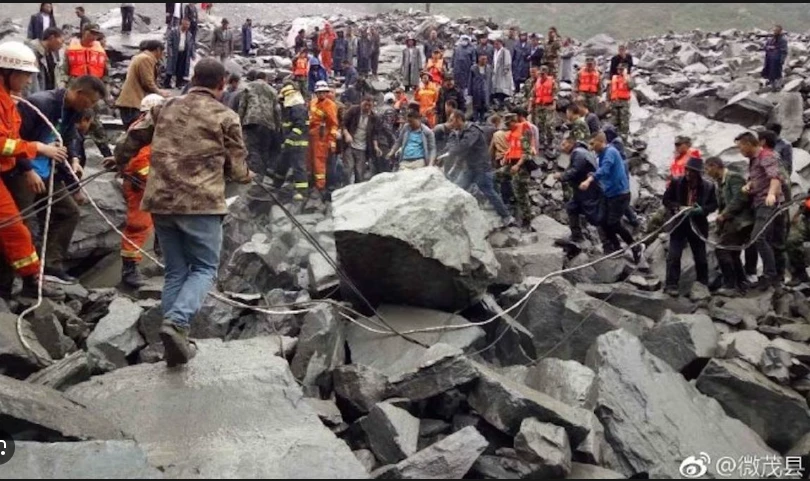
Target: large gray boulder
point(394, 356)
point(234, 412)
point(450, 458)
point(682, 340)
point(600, 45)
point(393, 433)
point(87, 460)
point(441, 369)
point(653, 305)
point(320, 348)
point(554, 312)
point(778, 414)
point(653, 418)
point(15, 360)
point(116, 336)
point(414, 238)
point(359, 388)
point(535, 260)
point(789, 112)
point(746, 109)
point(31, 412)
point(566, 381)
point(545, 446)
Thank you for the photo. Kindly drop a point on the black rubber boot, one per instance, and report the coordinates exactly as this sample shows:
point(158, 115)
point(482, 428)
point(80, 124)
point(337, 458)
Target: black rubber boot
point(131, 276)
point(31, 289)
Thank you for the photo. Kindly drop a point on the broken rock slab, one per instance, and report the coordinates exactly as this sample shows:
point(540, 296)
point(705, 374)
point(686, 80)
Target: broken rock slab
point(177, 416)
point(450, 458)
point(566, 381)
point(15, 360)
point(414, 238)
point(38, 413)
point(115, 337)
point(654, 418)
point(681, 340)
point(653, 305)
point(778, 414)
point(554, 312)
point(441, 369)
point(587, 471)
point(359, 388)
point(393, 433)
point(86, 460)
point(747, 109)
point(394, 356)
point(536, 260)
point(320, 347)
point(505, 404)
point(61, 375)
point(746, 345)
point(545, 446)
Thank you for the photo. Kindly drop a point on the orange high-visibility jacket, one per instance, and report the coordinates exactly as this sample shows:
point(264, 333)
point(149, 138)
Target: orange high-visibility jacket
point(544, 91)
point(86, 61)
point(619, 89)
point(589, 81)
point(11, 146)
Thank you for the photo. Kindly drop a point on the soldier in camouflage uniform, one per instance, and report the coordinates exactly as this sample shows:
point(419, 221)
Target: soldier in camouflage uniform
point(553, 53)
point(588, 84)
point(295, 127)
point(544, 106)
point(577, 126)
point(196, 147)
point(799, 234)
point(528, 87)
point(620, 94)
point(514, 168)
point(260, 114)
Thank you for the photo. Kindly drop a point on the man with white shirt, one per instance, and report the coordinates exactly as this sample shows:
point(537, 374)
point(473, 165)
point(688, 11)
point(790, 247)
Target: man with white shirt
point(181, 53)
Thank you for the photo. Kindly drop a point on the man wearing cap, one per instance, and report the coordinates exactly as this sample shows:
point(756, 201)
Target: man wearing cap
point(295, 118)
point(463, 60)
point(323, 133)
point(514, 168)
point(544, 105)
point(699, 195)
point(620, 94)
point(86, 56)
point(450, 92)
point(589, 84)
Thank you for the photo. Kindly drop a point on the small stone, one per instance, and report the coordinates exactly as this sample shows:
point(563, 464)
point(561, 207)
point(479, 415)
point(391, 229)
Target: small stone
point(392, 433)
point(546, 446)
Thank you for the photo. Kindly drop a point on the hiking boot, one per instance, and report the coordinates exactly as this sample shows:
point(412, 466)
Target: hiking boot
point(59, 276)
point(638, 254)
point(672, 291)
point(178, 350)
point(31, 289)
point(131, 276)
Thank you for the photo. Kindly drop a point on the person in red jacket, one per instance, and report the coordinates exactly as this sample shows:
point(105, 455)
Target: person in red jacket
point(18, 64)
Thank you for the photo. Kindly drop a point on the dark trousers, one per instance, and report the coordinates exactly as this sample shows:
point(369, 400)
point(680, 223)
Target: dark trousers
point(375, 63)
point(766, 251)
point(259, 141)
point(678, 240)
point(179, 71)
point(295, 158)
point(128, 116)
point(499, 100)
point(127, 18)
point(731, 264)
point(480, 114)
point(612, 227)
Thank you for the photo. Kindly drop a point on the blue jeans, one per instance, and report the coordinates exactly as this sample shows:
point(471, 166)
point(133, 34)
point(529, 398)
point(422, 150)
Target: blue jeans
point(191, 248)
point(486, 184)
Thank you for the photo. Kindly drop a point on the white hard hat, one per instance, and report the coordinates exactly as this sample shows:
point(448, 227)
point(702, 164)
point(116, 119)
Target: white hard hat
point(389, 97)
point(322, 86)
point(17, 56)
point(151, 101)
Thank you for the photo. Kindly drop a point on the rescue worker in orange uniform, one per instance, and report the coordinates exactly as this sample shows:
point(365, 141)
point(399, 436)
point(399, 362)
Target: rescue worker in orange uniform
point(514, 167)
point(139, 223)
point(428, 96)
point(326, 41)
point(545, 106)
point(18, 64)
point(323, 133)
point(620, 94)
point(589, 84)
point(87, 56)
point(436, 67)
point(301, 71)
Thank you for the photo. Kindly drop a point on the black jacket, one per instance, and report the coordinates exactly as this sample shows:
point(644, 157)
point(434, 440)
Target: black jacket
point(583, 163)
point(616, 61)
point(536, 56)
point(351, 121)
point(452, 94)
point(470, 146)
point(36, 26)
point(677, 196)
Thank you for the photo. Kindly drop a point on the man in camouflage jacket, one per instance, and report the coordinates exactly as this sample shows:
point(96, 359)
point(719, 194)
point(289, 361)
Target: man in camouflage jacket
point(196, 145)
point(260, 114)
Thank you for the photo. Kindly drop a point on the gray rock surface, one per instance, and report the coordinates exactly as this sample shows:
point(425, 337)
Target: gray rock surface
point(546, 446)
point(86, 460)
point(116, 336)
point(40, 413)
point(214, 320)
point(394, 356)
point(393, 433)
point(680, 340)
point(746, 109)
point(536, 260)
point(359, 389)
point(15, 360)
point(587, 471)
point(450, 458)
point(789, 113)
point(179, 417)
point(653, 418)
point(778, 414)
point(430, 234)
point(70, 371)
point(746, 345)
point(320, 347)
point(441, 369)
point(566, 381)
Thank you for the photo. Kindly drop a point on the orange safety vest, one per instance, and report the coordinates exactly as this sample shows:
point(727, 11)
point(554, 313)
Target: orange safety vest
point(619, 90)
point(544, 91)
point(323, 113)
point(436, 70)
point(515, 139)
point(301, 67)
point(11, 146)
point(589, 82)
point(427, 97)
point(86, 61)
point(678, 168)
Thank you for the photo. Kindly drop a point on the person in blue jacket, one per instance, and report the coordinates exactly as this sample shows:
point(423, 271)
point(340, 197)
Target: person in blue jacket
point(316, 73)
point(612, 176)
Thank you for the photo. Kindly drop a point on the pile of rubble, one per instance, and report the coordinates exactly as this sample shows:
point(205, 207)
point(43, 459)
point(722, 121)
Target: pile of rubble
point(430, 349)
